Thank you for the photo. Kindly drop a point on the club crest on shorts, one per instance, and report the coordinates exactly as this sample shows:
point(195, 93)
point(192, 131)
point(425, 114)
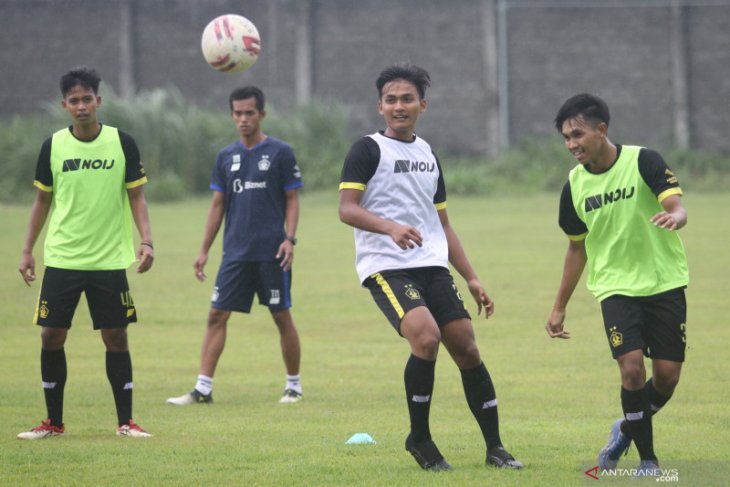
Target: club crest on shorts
point(275, 297)
point(43, 310)
point(264, 163)
point(214, 296)
point(412, 294)
point(616, 337)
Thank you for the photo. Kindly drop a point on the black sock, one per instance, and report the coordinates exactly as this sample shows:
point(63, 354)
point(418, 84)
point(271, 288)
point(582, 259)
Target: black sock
point(53, 375)
point(119, 372)
point(656, 400)
point(482, 400)
point(419, 378)
point(638, 420)
point(656, 403)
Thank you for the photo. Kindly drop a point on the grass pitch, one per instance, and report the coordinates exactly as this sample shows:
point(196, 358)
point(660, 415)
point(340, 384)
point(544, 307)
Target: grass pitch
point(557, 398)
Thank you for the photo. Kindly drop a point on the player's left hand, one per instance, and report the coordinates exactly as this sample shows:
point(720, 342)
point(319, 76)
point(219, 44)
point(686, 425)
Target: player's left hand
point(145, 257)
point(482, 298)
point(665, 220)
point(286, 254)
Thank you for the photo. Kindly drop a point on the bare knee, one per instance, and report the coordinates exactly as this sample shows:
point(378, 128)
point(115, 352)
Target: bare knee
point(467, 356)
point(458, 337)
point(633, 379)
point(53, 338)
point(425, 345)
point(283, 321)
point(422, 333)
point(217, 318)
point(115, 339)
point(633, 373)
point(666, 378)
point(666, 385)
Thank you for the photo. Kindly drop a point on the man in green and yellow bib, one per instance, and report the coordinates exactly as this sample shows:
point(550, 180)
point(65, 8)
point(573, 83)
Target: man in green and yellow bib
point(620, 209)
point(92, 176)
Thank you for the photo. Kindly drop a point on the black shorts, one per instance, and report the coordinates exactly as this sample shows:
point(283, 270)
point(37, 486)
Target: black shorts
point(655, 324)
point(107, 293)
point(237, 282)
point(397, 292)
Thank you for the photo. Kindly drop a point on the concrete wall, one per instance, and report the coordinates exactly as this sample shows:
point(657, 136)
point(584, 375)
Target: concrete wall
point(663, 66)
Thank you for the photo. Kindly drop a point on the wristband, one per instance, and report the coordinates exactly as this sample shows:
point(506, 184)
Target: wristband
point(292, 239)
point(147, 244)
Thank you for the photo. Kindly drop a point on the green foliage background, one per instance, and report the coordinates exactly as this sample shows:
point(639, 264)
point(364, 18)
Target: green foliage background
point(179, 142)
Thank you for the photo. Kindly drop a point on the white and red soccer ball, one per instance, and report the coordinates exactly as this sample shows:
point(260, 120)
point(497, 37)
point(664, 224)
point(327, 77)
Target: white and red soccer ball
point(230, 43)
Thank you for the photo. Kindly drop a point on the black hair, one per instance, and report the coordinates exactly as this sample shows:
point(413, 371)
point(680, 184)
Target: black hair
point(248, 92)
point(80, 75)
point(591, 107)
point(408, 72)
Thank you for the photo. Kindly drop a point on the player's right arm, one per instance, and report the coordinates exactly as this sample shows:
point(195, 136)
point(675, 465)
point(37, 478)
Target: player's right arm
point(38, 215)
point(39, 212)
point(212, 225)
point(404, 236)
point(360, 165)
point(575, 262)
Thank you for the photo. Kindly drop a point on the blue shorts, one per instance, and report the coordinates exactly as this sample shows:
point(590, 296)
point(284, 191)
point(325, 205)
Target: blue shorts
point(238, 281)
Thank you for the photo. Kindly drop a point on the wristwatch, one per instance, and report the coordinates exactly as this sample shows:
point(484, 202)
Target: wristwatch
point(292, 239)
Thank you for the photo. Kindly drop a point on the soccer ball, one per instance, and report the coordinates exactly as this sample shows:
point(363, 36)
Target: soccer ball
point(230, 43)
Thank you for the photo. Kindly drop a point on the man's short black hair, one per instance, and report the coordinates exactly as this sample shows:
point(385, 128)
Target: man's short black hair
point(408, 72)
point(248, 92)
point(591, 107)
point(80, 75)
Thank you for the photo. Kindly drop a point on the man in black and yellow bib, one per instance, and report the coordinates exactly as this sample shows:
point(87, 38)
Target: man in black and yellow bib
point(392, 192)
point(620, 209)
point(92, 176)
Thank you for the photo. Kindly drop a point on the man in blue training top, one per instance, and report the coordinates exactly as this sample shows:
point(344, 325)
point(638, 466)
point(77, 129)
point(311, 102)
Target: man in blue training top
point(255, 185)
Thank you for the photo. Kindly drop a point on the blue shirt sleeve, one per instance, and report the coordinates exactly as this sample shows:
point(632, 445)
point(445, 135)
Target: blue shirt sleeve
point(218, 180)
point(291, 174)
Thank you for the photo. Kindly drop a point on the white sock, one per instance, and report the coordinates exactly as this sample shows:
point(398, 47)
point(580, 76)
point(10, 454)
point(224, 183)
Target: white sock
point(292, 382)
point(204, 385)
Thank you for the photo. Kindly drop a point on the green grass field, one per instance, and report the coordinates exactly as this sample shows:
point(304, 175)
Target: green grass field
point(557, 398)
